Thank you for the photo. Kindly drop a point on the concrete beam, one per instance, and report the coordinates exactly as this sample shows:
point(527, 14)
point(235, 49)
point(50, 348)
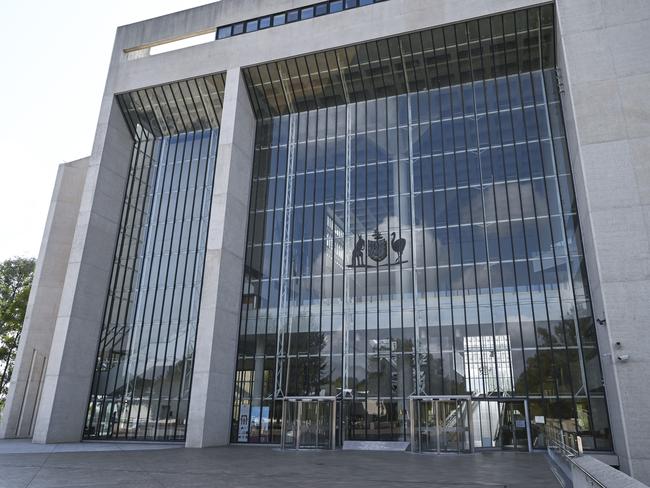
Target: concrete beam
point(43, 306)
point(585, 469)
point(218, 328)
point(71, 361)
point(605, 66)
point(327, 32)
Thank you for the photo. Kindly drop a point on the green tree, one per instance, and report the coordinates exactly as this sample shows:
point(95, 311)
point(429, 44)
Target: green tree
point(15, 284)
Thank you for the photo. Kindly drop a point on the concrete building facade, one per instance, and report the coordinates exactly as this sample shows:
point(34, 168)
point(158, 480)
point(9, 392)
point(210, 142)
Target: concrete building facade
point(157, 312)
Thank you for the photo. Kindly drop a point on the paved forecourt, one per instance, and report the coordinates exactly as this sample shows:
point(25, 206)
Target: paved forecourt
point(264, 467)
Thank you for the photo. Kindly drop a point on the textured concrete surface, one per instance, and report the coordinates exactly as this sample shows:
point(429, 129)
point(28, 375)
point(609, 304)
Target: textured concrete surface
point(71, 361)
point(43, 305)
point(25, 446)
point(245, 467)
point(218, 328)
point(329, 31)
point(606, 475)
point(605, 67)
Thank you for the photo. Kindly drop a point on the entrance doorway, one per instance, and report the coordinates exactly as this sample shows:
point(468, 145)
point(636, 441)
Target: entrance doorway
point(501, 424)
point(309, 423)
point(441, 424)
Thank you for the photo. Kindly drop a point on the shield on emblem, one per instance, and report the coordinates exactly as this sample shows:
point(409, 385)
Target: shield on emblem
point(377, 249)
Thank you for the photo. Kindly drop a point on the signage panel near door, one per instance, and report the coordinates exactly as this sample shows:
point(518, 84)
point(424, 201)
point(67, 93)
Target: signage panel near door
point(244, 423)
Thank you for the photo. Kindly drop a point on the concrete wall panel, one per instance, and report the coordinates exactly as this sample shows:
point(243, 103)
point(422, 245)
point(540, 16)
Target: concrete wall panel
point(69, 373)
point(361, 24)
point(43, 306)
point(605, 67)
point(218, 328)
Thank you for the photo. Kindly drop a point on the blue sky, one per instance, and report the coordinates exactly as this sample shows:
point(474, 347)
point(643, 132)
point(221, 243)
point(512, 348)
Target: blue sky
point(54, 61)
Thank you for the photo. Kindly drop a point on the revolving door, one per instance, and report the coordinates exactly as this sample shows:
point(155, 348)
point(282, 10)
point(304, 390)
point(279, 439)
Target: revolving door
point(309, 423)
point(441, 424)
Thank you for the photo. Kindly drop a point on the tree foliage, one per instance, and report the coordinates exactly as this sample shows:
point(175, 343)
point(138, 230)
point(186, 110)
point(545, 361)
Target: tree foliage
point(15, 284)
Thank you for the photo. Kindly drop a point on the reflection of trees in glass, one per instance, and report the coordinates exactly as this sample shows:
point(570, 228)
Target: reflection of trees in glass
point(309, 374)
point(560, 333)
point(379, 377)
point(540, 374)
point(548, 372)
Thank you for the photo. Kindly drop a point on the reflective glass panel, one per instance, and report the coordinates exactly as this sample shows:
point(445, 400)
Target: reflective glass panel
point(411, 232)
point(143, 373)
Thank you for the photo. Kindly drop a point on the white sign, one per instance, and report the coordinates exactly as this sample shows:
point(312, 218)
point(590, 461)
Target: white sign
point(244, 421)
point(539, 419)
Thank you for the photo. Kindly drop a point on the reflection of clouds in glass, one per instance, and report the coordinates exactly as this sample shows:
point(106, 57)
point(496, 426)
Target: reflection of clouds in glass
point(481, 256)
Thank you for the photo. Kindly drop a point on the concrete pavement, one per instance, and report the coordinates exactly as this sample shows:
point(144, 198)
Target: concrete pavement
point(264, 467)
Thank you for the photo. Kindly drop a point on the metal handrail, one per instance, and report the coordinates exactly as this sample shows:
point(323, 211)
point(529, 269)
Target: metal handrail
point(569, 446)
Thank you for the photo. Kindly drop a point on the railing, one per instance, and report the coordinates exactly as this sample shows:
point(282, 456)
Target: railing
point(567, 446)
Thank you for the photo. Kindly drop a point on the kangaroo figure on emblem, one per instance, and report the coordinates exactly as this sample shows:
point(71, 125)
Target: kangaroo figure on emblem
point(357, 252)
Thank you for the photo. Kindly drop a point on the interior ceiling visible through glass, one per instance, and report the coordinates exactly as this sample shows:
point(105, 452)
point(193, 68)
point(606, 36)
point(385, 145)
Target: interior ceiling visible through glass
point(183, 106)
point(433, 58)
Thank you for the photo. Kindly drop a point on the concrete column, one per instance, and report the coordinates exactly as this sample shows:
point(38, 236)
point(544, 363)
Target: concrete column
point(216, 345)
point(71, 361)
point(605, 70)
point(43, 305)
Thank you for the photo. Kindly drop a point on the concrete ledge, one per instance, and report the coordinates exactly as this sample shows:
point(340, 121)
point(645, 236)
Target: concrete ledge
point(610, 459)
point(604, 474)
point(25, 446)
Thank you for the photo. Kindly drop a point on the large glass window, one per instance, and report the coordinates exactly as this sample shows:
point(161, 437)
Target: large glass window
point(306, 13)
point(143, 373)
point(413, 232)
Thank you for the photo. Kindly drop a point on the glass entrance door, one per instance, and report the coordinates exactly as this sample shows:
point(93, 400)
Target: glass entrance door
point(426, 419)
point(309, 423)
point(440, 424)
point(501, 424)
point(513, 431)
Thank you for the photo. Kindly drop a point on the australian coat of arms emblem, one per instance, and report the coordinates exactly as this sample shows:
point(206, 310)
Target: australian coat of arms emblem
point(377, 250)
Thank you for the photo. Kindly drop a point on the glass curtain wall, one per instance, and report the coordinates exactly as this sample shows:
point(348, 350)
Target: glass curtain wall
point(413, 231)
point(142, 380)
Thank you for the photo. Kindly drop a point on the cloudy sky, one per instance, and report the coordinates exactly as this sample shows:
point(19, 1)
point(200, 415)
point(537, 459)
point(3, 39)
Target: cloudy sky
point(55, 57)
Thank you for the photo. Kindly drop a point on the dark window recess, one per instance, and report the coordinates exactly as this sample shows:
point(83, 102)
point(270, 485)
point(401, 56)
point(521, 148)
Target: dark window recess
point(251, 299)
point(281, 18)
point(224, 32)
point(265, 22)
point(336, 6)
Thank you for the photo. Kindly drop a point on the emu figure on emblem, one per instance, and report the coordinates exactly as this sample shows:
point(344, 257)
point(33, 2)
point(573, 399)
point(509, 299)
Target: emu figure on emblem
point(398, 246)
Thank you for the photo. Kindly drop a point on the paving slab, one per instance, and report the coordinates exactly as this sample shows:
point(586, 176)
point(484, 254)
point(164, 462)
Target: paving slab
point(267, 467)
